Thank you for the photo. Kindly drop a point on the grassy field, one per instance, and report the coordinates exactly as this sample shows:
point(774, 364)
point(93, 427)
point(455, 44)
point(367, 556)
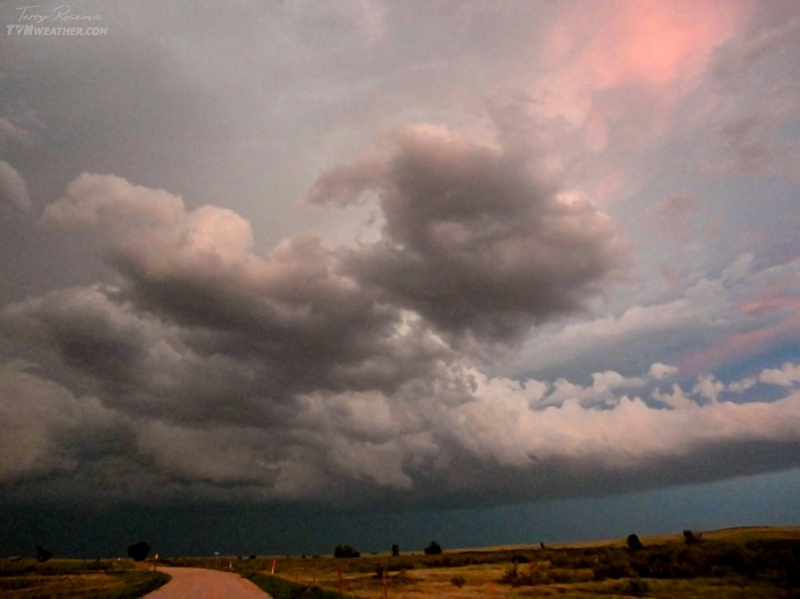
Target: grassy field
point(735, 563)
point(85, 579)
point(740, 563)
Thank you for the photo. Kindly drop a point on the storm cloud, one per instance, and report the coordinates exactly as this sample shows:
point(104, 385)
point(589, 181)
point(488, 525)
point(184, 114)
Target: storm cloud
point(477, 239)
point(397, 254)
point(325, 374)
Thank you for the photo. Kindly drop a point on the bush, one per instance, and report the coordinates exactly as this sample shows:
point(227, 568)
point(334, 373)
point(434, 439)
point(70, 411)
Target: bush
point(689, 537)
point(634, 544)
point(458, 581)
point(345, 551)
point(139, 551)
point(433, 548)
point(42, 554)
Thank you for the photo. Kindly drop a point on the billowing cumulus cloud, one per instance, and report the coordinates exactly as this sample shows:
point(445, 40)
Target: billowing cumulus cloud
point(786, 376)
point(581, 280)
point(309, 375)
point(298, 314)
point(476, 238)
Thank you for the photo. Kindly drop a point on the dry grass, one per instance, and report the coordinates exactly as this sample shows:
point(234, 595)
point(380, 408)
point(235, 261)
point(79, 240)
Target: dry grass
point(565, 570)
point(482, 582)
point(96, 579)
point(736, 563)
point(738, 534)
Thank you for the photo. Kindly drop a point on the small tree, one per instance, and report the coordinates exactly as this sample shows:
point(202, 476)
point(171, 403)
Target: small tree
point(42, 554)
point(345, 551)
point(689, 537)
point(433, 548)
point(395, 550)
point(139, 551)
point(634, 544)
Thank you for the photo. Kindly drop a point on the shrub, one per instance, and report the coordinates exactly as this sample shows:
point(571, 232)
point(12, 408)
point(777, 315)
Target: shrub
point(689, 537)
point(433, 548)
point(519, 557)
point(139, 551)
point(634, 544)
point(345, 551)
point(42, 554)
point(458, 581)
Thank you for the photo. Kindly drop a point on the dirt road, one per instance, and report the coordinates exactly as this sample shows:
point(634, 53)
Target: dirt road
point(196, 583)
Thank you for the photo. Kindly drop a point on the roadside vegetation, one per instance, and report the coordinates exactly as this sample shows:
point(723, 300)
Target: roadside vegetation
point(84, 579)
point(279, 588)
point(745, 563)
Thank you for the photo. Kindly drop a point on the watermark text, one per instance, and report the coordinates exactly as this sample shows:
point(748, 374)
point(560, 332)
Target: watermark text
point(32, 20)
point(43, 31)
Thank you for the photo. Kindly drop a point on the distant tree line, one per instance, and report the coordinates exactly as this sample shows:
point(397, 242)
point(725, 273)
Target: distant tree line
point(345, 551)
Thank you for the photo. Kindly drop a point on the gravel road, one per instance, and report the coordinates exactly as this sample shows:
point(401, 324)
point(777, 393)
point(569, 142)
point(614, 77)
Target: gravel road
point(196, 583)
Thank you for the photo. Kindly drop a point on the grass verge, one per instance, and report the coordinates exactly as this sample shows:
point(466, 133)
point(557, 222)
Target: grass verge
point(79, 579)
point(283, 589)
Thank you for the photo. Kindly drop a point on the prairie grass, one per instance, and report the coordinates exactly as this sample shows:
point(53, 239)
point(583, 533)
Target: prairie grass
point(84, 579)
point(746, 563)
point(739, 563)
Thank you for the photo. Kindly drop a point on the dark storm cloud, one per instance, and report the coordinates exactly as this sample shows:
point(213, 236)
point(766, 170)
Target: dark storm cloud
point(295, 322)
point(209, 368)
point(87, 328)
point(209, 372)
point(45, 428)
point(476, 238)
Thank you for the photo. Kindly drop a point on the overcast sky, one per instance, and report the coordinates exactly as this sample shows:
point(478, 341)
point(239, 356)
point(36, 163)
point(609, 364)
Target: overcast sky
point(303, 257)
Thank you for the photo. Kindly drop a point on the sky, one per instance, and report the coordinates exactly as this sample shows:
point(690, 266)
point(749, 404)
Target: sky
point(282, 275)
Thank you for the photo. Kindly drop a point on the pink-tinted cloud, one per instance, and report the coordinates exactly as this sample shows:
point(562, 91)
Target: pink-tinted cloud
point(660, 47)
point(741, 344)
point(615, 74)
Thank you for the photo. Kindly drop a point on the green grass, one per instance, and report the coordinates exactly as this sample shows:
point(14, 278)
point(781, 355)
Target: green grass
point(82, 579)
point(279, 588)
